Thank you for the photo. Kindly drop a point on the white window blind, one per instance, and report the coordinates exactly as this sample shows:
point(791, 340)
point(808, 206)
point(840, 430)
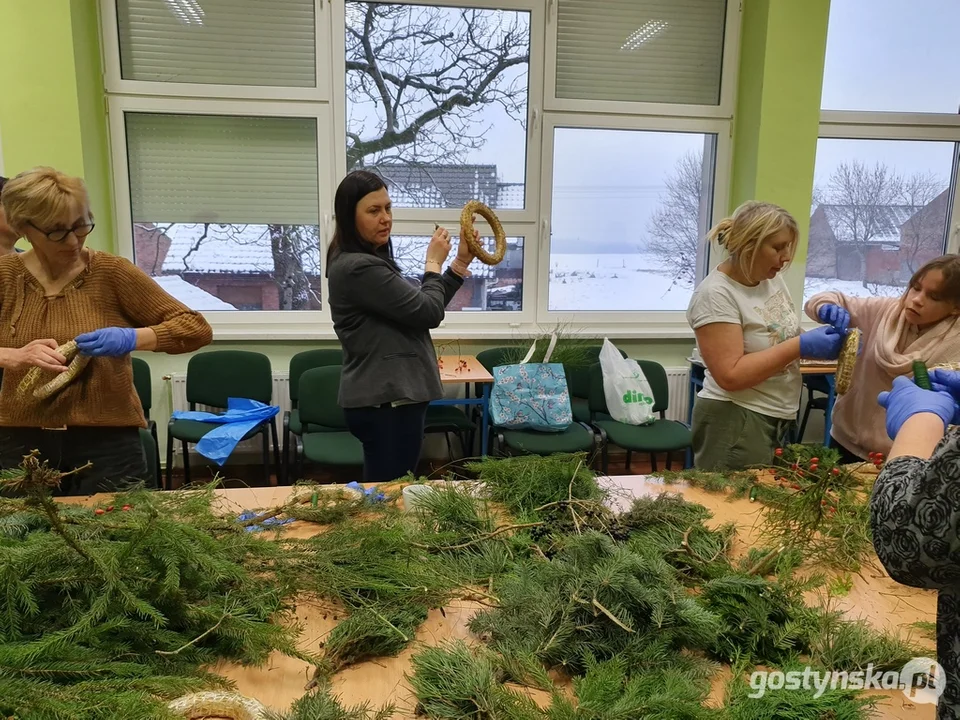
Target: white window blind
point(221, 42)
point(218, 169)
point(665, 51)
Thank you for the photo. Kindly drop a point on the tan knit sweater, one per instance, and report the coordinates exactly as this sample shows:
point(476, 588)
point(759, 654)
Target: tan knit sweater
point(110, 292)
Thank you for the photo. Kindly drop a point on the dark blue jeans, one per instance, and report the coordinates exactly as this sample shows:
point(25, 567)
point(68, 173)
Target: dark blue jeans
point(392, 439)
point(115, 454)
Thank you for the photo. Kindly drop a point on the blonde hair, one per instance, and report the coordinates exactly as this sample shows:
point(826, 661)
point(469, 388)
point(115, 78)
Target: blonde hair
point(743, 233)
point(41, 196)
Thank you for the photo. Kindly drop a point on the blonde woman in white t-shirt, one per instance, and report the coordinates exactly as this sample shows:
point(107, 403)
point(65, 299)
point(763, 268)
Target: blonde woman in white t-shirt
point(748, 333)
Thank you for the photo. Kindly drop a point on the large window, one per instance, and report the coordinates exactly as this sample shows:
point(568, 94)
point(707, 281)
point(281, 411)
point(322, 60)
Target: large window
point(880, 212)
point(893, 56)
point(595, 130)
point(202, 212)
point(630, 210)
point(437, 101)
point(885, 179)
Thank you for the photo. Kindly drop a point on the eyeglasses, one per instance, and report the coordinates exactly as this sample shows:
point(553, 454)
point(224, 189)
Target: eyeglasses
point(57, 236)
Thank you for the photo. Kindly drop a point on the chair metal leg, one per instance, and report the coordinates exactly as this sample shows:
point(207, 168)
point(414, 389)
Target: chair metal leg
point(168, 474)
point(669, 460)
point(653, 462)
point(186, 462)
point(449, 446)
point(276, 450)
point(298, 455)
point(286, 456)
point(629, 458)
point(266, 454)
point(156, 445)
point(803, 423)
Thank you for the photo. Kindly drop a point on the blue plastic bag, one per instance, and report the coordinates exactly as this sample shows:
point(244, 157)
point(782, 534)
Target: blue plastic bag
point(531, 396)
point(241, 416)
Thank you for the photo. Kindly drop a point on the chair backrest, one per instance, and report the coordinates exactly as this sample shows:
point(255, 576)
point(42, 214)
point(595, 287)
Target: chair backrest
point(493, 357)
point(143, 384)
point(303, 361)
point(319, 390)
point(654, 373)
point(657, 377)
point(214, 376)
point(578, 376)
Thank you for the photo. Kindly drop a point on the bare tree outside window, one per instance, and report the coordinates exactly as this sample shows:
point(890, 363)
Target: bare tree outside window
point(437, 103)
point(872, 227)
point(431, 86)
point(675, 233)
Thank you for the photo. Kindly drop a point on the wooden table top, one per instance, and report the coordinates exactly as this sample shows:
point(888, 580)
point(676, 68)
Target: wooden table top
point(874, 597)
point(462, 369)
point(817, 368)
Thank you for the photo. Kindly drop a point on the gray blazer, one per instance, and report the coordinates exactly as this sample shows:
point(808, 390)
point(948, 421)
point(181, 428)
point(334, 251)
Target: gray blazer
point(384, 323)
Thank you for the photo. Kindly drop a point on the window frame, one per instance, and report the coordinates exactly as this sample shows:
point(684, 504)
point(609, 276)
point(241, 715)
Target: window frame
point(728, 78)
point(230, 324)
point(451, 216)
point(327, 105)
point(628, 323)
point(115, 83)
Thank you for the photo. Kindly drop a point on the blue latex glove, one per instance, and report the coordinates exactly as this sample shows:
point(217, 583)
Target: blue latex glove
point(907, 400)
point(108, 342)
point(822, 343)
point(948, 381)
point(372, 494)
point(250, 515)
point(834, 315)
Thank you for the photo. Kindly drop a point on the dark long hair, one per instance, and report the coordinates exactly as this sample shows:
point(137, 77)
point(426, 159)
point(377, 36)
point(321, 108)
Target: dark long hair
point(352, 188)
point(949, 265)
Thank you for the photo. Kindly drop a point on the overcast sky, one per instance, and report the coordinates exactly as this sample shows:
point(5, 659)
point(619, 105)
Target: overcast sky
point(894, 55)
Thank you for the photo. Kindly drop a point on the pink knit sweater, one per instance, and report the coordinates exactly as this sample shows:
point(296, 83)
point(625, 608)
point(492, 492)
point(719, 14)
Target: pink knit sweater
point(890, 345)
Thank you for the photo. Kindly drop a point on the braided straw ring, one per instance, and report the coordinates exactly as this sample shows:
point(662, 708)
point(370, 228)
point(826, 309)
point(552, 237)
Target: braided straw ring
point(77, 363)
point(218, 704)
point(847, 361)
point(466, 233)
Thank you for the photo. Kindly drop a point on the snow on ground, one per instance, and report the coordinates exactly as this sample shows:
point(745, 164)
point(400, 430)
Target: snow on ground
point(614, 282)
point(190, 295)
point(812, 286)
point(642, 281)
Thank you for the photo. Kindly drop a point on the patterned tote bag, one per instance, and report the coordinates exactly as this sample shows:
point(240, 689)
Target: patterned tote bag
point(531, 396)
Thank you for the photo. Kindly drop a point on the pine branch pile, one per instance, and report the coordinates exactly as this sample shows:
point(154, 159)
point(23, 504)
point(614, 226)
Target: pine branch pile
point(818, 505)
point(524, 484)
point(676, 528)
point(595, 598)
point(108, 611)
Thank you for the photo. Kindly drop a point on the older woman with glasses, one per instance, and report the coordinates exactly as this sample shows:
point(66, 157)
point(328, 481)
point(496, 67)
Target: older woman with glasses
point(59, 291)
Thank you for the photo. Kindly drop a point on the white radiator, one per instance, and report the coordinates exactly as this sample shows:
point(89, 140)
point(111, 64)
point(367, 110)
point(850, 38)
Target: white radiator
point(281, 397)
point(678, 380)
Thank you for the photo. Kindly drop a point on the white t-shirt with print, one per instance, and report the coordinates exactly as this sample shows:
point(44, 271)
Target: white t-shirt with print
point(767, 316)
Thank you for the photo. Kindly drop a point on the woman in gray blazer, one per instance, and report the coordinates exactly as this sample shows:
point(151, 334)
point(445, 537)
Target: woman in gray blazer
point(383, 321)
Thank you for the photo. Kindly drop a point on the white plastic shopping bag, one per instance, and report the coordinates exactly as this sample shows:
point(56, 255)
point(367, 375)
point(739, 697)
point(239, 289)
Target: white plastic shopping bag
point(628, 394)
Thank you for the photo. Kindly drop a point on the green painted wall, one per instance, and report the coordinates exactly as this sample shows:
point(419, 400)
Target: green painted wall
point(50, 57)
point(53, 113)
point(778, 110)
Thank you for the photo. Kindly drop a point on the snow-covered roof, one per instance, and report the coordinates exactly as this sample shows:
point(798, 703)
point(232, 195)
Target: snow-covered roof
point(410, 253)
point(234, 249)
point(881, 222)
point(190, 295)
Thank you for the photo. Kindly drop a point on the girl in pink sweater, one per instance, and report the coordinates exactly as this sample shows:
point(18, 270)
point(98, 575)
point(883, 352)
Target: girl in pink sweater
point(923, 324)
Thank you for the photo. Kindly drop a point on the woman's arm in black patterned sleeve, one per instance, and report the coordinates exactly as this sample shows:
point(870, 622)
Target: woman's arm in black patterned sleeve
point(915, 510)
